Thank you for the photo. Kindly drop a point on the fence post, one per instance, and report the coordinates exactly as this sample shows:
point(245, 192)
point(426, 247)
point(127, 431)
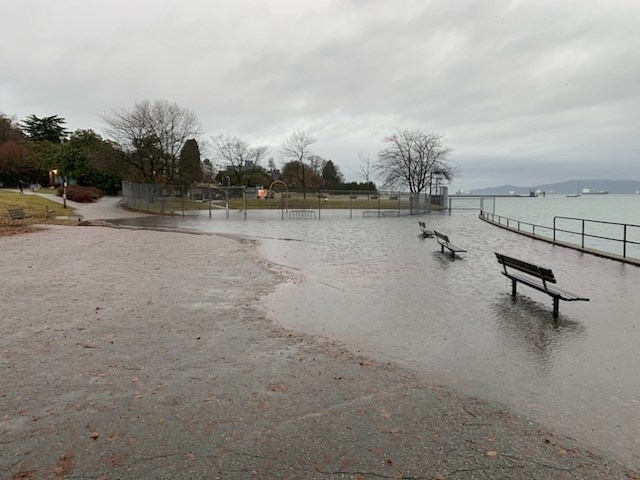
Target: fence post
point(244, 191)
point(624, 242)
point(226, 193)
point(582, 243)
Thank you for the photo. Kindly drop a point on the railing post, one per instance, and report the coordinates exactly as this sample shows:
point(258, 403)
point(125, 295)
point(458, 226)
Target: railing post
point(554, 229)
point(583, 233)
point(624, 242)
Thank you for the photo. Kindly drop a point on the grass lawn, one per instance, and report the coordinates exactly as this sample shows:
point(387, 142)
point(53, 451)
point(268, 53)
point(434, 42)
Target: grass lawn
point(37, 210)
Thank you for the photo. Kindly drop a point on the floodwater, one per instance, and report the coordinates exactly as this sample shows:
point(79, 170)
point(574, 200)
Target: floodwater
point(379, 287)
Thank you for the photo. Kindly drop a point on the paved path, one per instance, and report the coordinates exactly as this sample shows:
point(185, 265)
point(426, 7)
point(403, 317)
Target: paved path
point(103, 209)
point(145, 355)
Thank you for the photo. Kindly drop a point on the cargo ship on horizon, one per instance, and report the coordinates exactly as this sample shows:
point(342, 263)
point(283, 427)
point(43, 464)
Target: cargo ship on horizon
point(587, 191)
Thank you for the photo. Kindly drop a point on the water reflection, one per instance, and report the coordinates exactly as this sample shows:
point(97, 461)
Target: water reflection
point(525, 325)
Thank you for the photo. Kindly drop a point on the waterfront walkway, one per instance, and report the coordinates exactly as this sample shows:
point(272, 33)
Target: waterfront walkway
point(142, 354)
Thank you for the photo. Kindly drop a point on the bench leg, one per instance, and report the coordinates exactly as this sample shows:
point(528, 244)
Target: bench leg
point(442, 248)
point(556, 301)
point(513, 288)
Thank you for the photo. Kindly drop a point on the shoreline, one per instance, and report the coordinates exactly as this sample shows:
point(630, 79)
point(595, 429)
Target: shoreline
point(146, 354)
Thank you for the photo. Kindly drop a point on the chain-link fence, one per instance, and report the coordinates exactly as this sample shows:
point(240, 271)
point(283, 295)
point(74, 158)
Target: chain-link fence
point(285, 203)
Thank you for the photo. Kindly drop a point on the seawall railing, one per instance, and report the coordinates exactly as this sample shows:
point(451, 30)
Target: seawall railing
point(590, 234)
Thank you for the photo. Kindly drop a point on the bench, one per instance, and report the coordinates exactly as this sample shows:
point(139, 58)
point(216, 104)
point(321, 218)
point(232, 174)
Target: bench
point(537, 277)
point(426, 233)
point(444, 242)
point(16, 213)
point(302, 214)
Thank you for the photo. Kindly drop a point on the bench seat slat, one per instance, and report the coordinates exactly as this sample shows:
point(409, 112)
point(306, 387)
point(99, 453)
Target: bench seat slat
point(552, 290)
point(453, 248)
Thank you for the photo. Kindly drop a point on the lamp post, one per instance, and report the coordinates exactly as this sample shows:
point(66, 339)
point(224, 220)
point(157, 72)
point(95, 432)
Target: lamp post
point(228, 179)
point(64, 173)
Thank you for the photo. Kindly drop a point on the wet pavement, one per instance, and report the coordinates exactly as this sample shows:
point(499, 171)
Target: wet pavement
point(165, 366)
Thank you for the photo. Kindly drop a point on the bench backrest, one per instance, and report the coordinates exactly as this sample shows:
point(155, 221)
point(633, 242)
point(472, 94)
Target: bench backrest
point(441, 236)
point(16, 213)
point(543, 273)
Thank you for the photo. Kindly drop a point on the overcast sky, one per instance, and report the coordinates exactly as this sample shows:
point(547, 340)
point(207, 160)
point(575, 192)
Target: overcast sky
point(526, 92)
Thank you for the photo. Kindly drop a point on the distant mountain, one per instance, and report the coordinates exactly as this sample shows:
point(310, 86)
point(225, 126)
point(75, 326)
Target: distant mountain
point(569, 187)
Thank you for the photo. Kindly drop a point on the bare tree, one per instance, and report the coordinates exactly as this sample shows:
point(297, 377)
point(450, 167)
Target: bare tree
point(297, 148)
point(411, 158)
point(365, 166)
point(238, 157)
point(316, 164)
point(152, 134)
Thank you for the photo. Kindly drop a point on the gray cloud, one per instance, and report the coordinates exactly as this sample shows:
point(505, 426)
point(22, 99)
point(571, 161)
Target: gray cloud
point(525, 91)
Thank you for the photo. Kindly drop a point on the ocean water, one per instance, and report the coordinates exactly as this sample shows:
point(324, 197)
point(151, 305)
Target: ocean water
point(381, 289)
point(540, 211)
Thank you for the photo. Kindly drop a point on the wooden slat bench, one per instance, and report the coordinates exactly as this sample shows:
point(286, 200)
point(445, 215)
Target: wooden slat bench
point(16, 213)
point(426, 233)
point(444, 242)
point(537, 277)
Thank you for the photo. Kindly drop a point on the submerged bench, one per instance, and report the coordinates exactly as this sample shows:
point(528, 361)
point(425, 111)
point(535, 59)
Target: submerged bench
point(444, 242)
point(536, 277)
point(16, 213)
point(302, 214)
point(426, 233)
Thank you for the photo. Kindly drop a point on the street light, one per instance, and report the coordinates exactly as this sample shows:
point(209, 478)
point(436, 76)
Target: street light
point(64, 173)
point(228, 179)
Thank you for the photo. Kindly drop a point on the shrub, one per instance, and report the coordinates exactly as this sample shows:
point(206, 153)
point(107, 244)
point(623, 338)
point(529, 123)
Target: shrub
point(80, 194)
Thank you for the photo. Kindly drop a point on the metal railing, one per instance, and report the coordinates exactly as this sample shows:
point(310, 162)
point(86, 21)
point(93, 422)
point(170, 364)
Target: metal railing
point(516, 224)
point(552, 232)
point(585, 221)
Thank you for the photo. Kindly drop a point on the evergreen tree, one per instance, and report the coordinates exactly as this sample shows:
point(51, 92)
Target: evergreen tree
point(331, 176)
point(50, 128)
point(189, 165)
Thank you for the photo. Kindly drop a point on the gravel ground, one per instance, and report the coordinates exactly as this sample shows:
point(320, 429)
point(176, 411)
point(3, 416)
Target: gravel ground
point(130, 353)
